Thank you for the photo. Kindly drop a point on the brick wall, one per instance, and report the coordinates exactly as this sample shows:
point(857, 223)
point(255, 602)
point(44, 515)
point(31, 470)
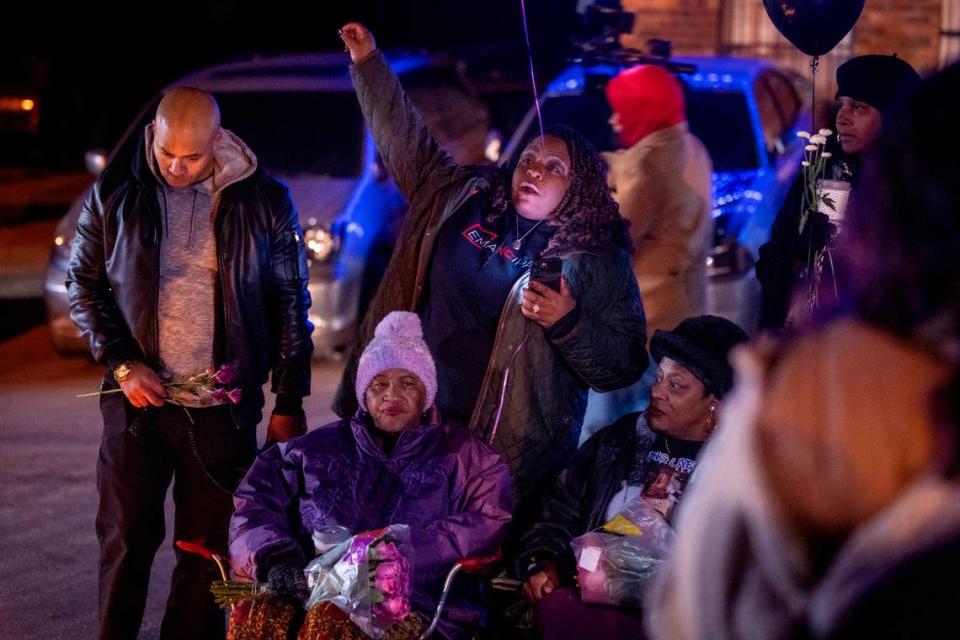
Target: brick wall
point(692, 25)
point(909, 28)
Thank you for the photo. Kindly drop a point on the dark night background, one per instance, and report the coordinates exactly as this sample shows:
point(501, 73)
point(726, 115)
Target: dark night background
point(95, 64)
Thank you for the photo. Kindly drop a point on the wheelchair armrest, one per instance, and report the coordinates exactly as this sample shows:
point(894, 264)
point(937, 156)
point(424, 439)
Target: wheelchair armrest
point(472, 564)
point(203, 552)
point(194, 548)
point(476, 564)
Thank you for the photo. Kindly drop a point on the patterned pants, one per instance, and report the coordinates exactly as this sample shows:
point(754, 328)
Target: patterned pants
point(268, 617)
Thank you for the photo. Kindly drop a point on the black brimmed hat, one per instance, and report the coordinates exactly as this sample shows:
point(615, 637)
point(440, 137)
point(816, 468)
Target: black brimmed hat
point(701, 344)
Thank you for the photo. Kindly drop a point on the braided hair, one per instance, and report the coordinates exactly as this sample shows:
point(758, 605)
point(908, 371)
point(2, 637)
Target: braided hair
point(587, 218)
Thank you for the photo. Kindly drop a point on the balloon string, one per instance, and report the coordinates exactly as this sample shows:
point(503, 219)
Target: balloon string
point(533, 77)
point(814, 64)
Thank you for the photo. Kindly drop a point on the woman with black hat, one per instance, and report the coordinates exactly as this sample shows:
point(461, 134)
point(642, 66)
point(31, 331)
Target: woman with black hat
point(636, 456)
point(868, 88)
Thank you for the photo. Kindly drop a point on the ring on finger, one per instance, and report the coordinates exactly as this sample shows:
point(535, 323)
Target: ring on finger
point(536, 308)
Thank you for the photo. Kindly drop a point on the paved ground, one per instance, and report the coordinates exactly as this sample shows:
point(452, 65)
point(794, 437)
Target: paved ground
point(48, 448)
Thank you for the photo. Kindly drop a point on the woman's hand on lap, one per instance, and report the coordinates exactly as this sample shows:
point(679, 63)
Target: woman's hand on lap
point(542, 582)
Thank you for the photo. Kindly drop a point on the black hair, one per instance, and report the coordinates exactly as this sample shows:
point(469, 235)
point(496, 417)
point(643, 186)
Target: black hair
point(587, 218)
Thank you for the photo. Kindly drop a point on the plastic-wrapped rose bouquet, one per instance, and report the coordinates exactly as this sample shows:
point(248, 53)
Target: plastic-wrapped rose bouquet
point(368, 577)
point(390, 574)
point(615, 564)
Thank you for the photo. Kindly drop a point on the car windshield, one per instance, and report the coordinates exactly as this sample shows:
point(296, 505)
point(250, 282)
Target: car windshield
point(587, 113)
point(718, 118)
point(721, 120)
point(298, 132)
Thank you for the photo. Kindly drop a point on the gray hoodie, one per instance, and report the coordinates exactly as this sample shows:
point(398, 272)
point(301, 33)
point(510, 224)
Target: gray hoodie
point(188, 263)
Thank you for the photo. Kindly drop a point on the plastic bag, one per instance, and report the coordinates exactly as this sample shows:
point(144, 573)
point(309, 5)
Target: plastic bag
point(368, 577)
point(614, 569)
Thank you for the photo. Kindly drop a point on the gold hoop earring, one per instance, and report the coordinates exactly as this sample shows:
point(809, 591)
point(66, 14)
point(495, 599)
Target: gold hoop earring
point(713, 419)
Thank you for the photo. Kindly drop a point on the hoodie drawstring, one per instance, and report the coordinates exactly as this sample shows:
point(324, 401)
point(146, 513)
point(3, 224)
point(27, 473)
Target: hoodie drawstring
point(166, 216)
point(193, 213)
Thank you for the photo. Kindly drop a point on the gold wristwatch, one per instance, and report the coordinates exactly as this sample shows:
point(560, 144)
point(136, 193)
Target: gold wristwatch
point(123, 370)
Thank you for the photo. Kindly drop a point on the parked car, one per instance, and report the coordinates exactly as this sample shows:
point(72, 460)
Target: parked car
point(747, 113)
point(300, 116)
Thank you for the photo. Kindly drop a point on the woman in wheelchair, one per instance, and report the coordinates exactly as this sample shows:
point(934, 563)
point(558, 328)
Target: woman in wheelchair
point(394, 462)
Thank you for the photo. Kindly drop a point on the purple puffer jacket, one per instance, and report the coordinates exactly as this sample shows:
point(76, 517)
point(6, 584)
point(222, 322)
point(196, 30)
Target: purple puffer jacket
point(449, 487)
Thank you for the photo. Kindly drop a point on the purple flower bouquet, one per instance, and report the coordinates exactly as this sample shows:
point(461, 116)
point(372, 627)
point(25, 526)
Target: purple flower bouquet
point(207, 387)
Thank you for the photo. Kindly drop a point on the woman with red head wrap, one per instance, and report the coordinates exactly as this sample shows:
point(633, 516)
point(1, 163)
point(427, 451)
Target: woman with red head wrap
point(661, 178)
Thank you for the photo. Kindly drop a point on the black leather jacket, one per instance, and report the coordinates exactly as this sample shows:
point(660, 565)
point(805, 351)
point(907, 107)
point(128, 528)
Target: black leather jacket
point(262, 298)
point(578, 502)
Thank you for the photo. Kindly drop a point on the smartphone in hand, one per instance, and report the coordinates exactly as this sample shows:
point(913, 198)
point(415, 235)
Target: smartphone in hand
point(547, 271)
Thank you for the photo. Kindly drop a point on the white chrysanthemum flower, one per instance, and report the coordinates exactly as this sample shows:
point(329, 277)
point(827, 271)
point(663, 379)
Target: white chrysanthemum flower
point(803, 134)
point(810, 147)
point(818, 139)
point(805, 163)
point(825, 132)
point(826, 154)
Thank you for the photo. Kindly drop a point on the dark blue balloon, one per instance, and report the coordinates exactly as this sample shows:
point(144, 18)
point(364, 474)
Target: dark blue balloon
point(814, 26)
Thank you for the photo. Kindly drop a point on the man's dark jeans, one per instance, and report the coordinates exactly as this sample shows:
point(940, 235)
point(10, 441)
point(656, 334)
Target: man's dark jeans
point(139, 454)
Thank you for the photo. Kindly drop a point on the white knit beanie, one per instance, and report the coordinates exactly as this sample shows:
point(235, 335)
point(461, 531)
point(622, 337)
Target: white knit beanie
point(397, 344)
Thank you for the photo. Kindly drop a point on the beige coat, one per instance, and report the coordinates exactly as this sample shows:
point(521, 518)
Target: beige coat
point(663, 186)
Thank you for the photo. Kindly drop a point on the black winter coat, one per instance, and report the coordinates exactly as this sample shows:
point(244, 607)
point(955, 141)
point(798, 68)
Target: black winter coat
point(578, 502)
point(262, 297)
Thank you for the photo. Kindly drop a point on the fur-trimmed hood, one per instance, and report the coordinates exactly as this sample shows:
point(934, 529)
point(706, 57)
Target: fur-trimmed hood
point(233, 160)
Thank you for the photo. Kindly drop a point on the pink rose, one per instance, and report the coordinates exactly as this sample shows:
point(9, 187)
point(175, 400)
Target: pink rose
point(389, 569)
point(391, 579)
point(222, 395)
point(387, 551)
point(388, 586)
point(592, 581)
point(225, 375)
point(391, 610)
